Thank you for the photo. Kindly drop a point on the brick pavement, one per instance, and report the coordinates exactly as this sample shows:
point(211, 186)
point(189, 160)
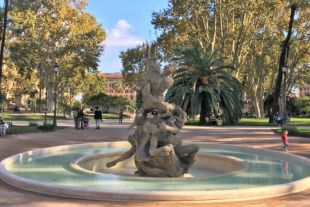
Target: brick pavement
point(254, 137)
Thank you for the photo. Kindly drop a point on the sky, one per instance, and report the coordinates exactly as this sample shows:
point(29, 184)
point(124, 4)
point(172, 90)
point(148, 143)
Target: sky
point(127, 23)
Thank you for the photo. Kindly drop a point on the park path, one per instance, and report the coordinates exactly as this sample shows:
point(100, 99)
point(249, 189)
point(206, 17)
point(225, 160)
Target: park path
point(112, 131)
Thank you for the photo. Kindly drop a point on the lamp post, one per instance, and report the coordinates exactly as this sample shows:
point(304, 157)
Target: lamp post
point(45, 108)
point(284, 71)
point(56, 69)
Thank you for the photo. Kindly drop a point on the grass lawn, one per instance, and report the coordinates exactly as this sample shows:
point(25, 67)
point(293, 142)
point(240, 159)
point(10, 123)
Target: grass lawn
point(106, 116)
point(255, 122)
point(40, 117)
point(195, 122)
point(298, 121)
point(301, 132)
point(26, 129)
point(110, 116)
point(23, 129)
point(304, 132)
point(242, 122)
point(27, 117)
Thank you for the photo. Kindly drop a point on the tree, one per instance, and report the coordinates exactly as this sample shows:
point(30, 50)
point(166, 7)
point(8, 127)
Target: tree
point(2, 101)
point(99, 100)
point(282, 63)
point(44, 32)
point(5, 21)
point(106, 102)
point(302, 103)
point(18, 84)
point(245, 34)
point(133, 68)
point(123, 102)
point(205, 84)
point(93, 84)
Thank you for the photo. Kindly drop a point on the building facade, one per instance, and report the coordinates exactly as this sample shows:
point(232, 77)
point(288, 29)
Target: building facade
point(304, 91)
point(116, 88)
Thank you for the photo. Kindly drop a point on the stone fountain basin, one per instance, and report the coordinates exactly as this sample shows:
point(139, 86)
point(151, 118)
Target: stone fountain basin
point(222, 173)
point(206, 165)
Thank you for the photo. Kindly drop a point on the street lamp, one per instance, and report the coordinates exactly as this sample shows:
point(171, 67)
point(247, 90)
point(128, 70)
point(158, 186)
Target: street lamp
point(284, 71)
point(45, 108)
point(56, 69)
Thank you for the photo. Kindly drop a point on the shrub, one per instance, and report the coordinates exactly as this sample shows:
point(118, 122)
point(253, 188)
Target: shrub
point(31, 123)
point(292, 129)
point(46, 127)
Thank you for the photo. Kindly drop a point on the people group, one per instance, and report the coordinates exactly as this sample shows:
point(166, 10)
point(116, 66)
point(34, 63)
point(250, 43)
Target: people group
point(80, 119)
point(3, 127)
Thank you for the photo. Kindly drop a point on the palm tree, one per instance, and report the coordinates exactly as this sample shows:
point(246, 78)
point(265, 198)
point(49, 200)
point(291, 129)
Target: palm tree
point(202, 85)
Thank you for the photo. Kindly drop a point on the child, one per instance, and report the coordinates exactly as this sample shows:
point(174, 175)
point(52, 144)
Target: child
point(285, 139)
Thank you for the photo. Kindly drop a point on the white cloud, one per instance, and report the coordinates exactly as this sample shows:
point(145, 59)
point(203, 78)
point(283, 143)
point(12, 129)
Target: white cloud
point(120, 36)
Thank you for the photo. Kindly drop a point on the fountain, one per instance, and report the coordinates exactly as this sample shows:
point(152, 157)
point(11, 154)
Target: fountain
point(155, 165)
point(157, 151)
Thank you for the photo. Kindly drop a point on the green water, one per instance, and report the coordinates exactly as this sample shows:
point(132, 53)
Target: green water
point(54, 168)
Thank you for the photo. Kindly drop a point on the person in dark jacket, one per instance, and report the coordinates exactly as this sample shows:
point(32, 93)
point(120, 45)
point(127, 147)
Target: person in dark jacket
point(80, 118)
point(97, 117)
point(121, 115)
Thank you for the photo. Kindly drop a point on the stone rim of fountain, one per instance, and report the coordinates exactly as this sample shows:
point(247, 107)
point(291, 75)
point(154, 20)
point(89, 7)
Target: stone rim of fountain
point(162, 196)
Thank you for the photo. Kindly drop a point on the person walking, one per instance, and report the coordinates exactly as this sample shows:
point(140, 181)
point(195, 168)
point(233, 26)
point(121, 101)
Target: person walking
point(75, 114)
point(284, 138)
point(121, 114)
point(97, 117)
point(80, 119)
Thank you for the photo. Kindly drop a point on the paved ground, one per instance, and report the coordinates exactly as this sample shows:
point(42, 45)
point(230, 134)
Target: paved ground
point(112, 131)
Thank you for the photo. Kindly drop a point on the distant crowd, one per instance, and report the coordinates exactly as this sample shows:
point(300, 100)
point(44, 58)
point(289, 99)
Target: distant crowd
point(81, 120)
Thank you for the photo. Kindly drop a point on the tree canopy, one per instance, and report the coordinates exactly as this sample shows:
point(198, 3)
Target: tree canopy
point(245, 34)
point(42, 33)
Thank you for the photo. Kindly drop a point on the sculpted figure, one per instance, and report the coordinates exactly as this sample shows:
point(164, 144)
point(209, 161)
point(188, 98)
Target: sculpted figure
point(157, 151)
point(155, 85)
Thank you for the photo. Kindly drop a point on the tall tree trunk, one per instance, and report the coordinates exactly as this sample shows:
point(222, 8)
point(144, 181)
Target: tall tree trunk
point(203, 110)
point(40, 87)
point(215, 27)
point(185, 103)
point(259, 88)
point(5, 21)
point(282, 62)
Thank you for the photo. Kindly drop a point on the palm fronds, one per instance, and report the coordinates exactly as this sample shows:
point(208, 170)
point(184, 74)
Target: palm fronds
point(208, 84)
